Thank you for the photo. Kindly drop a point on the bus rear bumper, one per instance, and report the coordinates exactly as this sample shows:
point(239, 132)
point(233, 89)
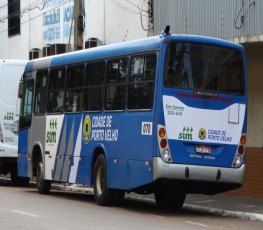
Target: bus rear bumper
point(162, 170)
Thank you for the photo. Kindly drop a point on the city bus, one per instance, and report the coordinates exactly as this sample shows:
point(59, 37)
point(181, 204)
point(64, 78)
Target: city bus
point(163, 115)
point(11, 71)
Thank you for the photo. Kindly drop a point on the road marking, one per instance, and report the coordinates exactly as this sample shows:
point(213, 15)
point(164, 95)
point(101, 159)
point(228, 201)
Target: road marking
point(204, 201)
point(198, 224)
point(24, 213)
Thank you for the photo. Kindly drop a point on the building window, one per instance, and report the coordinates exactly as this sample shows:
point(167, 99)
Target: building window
point(13, 17)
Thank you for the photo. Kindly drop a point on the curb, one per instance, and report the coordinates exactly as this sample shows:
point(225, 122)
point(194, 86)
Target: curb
point(190, 207)
point(226, 213)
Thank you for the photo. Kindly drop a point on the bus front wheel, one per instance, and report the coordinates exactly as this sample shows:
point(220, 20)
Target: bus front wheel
point(43, 186)
point(170, 200)
point(104, 195)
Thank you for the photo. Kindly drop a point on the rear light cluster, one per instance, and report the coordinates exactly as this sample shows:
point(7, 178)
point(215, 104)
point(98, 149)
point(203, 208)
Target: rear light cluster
point(163, 144)
point(240, 152)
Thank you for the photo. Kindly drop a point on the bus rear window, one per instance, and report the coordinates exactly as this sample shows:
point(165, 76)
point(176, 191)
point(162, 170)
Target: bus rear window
point(204, 67)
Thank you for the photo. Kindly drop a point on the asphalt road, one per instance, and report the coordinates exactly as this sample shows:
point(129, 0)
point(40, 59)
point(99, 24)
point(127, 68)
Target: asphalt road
point(23, 208)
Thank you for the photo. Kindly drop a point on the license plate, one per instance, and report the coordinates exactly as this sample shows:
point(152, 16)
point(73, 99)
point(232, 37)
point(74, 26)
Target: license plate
point(203, 149)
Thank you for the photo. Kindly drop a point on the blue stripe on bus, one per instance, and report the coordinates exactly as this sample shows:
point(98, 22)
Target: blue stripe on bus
point(22, 169)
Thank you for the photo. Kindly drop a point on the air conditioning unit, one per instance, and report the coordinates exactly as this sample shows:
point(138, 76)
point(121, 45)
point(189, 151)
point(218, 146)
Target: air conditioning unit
point(92, 42)
point(46, 50)
point(59, 48)
point(34, 53)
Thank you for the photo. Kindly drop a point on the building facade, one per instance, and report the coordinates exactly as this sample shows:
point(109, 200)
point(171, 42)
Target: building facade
point(32, 26)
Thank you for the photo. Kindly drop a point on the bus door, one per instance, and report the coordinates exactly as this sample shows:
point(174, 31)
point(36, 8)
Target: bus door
point(53, 128)
point(24, 127)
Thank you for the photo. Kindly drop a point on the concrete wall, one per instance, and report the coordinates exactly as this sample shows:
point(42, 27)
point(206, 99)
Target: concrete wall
point(218, 18)
point(253, 183)
point(254, 53)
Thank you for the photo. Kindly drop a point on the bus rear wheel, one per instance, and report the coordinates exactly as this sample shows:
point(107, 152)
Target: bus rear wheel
point(169, 200)
point(103, 195)
point(43, 186)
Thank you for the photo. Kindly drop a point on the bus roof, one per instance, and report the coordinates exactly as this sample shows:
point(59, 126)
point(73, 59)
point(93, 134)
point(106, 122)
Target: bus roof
point(124, 48)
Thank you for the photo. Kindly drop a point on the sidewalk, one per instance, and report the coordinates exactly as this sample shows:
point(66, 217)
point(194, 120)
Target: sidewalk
point(227, 205)
point(221, 204)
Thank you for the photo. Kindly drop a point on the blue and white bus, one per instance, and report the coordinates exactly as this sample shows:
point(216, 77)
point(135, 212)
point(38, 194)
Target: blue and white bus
point(163, 115)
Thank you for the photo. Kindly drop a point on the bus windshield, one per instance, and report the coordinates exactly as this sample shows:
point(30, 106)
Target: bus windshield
point(204, 67)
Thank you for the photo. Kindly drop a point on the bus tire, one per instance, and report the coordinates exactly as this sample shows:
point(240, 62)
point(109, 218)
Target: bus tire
point(169, 200)
point(43, 186)
point(103, 195)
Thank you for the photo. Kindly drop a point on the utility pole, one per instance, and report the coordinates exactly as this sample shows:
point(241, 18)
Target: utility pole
point(78, 24)
point(150, 19)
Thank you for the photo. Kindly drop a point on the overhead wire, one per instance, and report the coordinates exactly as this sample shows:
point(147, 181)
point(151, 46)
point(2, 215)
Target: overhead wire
point(37, 16)
point(144, 9)
point(20, 12)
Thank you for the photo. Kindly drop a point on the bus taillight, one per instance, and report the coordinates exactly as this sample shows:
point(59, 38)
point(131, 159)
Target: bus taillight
point(163, 145)
point(243, 139)
point(162, 132)
point(240, 152)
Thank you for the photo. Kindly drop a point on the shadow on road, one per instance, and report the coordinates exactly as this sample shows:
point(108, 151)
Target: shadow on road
point(132, 202)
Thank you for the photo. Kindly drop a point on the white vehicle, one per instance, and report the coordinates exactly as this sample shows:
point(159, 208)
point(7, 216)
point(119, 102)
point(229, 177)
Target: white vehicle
point(10, 74)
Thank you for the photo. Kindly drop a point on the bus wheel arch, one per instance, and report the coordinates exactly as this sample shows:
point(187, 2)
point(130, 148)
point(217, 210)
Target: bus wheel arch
point(43, 186)
point(104, 196)
point(36, 157)
point(98, 151)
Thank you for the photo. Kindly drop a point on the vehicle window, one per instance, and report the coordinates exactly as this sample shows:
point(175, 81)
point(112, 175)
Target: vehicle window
point(141, 82)
point(74, 88)
point(204, 67)
point(26, 103)
point(41, 92)
point(94, 85)
point(56, 90)
point(117, 73)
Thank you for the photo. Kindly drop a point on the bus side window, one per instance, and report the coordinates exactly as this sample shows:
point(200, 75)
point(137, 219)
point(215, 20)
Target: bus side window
point(141, 82)
point(94, 85)
point(56, 90)
point(117, 73)
point(40, 92)
point(74, 88)
point(27, 104)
